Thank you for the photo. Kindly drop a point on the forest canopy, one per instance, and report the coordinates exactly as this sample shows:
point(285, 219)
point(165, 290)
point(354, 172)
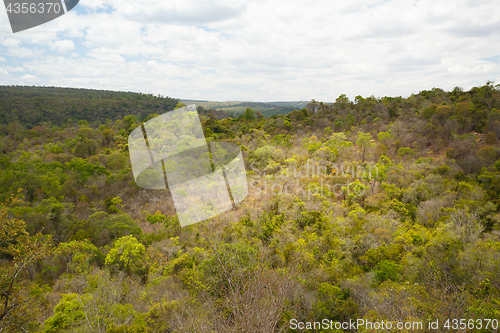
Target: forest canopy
point(378, 208)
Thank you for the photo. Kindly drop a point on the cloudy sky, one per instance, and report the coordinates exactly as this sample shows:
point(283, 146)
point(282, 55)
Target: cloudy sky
point(259, 50)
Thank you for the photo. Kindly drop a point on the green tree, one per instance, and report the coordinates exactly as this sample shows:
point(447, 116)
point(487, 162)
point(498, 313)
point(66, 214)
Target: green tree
point(85, 169)
point(128, 254)
point(261, 156)
point(249, 114)
point(339, 140)
point(179, 106)
point(19, 297)
point(67, 313)
point(342, 101)
point(364, 141)
point(387, 270)
point(405, 151)
point(101, 228)
point(77, 255)
point(113, 205)
point(337, 143)
point(116, 161)
point(106, 304)
point(85, 147)
point(384, 137)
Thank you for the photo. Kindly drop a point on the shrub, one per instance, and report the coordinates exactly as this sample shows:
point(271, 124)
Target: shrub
point(386, 270)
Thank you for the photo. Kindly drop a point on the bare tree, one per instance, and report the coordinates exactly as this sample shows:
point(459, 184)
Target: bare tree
point(251, 297)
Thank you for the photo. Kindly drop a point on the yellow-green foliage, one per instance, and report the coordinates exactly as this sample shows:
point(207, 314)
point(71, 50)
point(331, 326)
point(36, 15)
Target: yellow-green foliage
point(380, 208)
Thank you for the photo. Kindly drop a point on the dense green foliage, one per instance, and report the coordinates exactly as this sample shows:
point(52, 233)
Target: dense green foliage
point(268, 109)
point(378, 208)
point(32, 107)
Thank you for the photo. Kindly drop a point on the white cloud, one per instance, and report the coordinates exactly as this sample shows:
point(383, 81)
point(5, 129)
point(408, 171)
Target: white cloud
point(180, 11)
point(15, 69)
point(63, 46)
point(4, 75)
point(29, 79)
point(265, 50)
point(12, 47)
point(92, 4)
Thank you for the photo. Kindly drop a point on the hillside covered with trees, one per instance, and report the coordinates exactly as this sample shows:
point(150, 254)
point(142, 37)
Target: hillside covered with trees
point(268, 109)
point(34, 106)
point(378, 209)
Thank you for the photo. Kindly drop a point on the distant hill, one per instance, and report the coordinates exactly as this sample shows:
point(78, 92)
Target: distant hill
point(32, 106)
point(268, 109)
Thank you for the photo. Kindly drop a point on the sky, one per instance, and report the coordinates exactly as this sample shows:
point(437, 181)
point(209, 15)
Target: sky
point(259, 50)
